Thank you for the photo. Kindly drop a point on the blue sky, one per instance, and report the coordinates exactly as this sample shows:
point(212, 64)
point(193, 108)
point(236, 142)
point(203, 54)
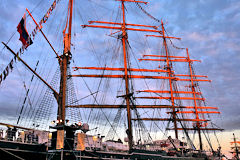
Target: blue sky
point(209, 28)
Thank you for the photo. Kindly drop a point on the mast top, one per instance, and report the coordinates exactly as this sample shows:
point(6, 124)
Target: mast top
point(67, 36)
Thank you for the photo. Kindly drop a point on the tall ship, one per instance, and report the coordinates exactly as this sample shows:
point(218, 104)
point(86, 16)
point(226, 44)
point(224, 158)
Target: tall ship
point(104, 84)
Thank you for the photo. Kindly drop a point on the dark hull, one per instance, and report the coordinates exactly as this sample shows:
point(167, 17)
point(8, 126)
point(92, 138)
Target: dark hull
point(88, 155)
point(15, 150)
point(145, 155)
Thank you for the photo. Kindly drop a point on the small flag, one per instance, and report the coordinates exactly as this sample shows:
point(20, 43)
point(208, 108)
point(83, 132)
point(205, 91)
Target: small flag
point(11, 65)
point(24, 37)
point(5, 73)
point(0, 78)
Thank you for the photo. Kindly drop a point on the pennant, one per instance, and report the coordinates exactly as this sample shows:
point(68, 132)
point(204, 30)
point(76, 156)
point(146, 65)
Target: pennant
point(41, 22)
point(37, 28)
point(15, 57)
point(49, 11)
point(34, 32)
point(33, 35)
point(24, 37)
point(5, 73)
point(45, 18)
point(11, 65)
point(53, 5)
point(0, 78)
point(30, 36)
point(23, 49)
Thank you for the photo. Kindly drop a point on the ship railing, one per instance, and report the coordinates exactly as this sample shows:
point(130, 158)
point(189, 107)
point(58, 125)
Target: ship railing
point(15, 136)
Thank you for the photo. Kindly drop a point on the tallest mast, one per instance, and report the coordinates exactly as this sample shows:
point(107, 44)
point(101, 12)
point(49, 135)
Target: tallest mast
point(123, 27)
point(127, 96)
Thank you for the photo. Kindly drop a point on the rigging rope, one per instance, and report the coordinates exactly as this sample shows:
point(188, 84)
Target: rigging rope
point(73, 114)
point(172, 42)
point(157, 20)
point(97, 102)
point(27, 94)
point(148, 14)
point(44, 110)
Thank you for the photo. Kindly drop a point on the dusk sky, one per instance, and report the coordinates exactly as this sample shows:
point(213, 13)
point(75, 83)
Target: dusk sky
point(209, 28)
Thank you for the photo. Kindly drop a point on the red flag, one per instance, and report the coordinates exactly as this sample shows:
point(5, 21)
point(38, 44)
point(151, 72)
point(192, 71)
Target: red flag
point(24, 37)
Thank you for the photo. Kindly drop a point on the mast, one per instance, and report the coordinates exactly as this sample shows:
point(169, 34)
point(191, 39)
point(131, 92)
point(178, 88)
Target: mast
point(170, 80)
point(122, 27)
point(127, 96)
point(236, 148)
point(66, 56)
point(195, 101)
point(196, 109)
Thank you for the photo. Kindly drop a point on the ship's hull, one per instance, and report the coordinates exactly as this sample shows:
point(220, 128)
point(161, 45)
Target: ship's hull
point(10, 150)
point(136, 155)
point(88, 155)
